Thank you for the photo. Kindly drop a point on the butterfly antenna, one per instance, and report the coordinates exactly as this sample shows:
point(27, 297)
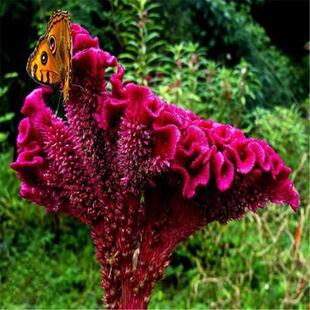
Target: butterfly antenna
point(77, 85)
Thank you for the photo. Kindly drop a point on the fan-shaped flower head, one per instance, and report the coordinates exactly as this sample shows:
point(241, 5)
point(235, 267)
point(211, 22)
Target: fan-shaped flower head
point(143, 173)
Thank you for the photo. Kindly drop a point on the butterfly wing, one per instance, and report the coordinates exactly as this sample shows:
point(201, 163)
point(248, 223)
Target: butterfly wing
point(42, 65)
point(50, 62)
point(59, 27)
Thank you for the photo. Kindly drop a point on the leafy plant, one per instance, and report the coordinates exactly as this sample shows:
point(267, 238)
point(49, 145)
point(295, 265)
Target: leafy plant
point(229, 92)
point(287, 132)
point(141, 39)
point(199, 84)
point(3, 119)
point(229, 33)
point(184, 75)
point(5, 116)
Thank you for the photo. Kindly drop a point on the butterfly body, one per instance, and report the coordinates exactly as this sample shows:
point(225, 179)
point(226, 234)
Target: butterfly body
point(50, 62)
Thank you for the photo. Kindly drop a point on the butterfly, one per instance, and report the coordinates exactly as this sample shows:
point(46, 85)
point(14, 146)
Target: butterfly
point(50, 62)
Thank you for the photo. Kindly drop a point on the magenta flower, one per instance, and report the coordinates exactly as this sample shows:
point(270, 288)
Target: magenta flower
point(143, 173)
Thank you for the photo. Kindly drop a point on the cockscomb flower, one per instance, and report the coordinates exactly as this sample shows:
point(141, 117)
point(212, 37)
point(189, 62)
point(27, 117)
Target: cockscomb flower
point(143, 173)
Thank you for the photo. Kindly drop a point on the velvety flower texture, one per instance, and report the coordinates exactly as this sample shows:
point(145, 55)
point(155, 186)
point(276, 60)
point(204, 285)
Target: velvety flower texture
point(143, 173)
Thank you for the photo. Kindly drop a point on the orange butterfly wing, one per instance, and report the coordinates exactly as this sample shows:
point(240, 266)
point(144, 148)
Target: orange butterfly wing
point(50, 62)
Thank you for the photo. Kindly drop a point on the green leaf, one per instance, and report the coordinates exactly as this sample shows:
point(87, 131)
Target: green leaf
point(127, 56)
point(3, 136)
point(3, 90)
point(6, 117)
point(11, 75)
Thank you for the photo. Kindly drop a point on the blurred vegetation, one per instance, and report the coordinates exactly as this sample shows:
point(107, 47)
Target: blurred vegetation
point(210, 56)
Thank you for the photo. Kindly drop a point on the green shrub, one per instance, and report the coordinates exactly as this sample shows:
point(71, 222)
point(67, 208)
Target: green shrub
point(211, 90)
point(285, 130)
point(229, 33)
point(288, 132)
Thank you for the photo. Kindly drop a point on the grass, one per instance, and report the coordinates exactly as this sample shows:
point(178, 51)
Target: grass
point(49, 262)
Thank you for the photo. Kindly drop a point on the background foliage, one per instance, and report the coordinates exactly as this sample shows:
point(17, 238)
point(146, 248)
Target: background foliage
point(210, 56)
